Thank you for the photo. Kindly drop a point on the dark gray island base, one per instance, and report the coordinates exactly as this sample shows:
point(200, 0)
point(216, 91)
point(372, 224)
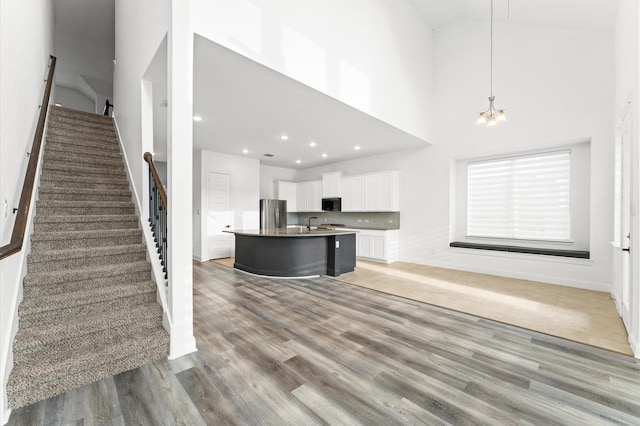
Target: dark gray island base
point(295, 253)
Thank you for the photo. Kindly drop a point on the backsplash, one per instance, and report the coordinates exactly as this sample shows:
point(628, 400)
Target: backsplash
point(365, 220)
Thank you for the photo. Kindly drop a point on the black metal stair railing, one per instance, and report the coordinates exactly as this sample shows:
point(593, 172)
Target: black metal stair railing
point(158, 212)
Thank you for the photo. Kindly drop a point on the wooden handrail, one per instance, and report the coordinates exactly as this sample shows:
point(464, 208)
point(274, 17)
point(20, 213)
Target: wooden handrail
point(148, 157)
point(22, 214)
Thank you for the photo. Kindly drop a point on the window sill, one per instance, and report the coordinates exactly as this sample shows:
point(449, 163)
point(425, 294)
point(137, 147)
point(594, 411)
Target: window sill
point(577, 254)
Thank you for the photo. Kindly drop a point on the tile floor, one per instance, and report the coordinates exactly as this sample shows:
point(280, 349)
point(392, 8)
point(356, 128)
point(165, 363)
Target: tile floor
point(580, 315)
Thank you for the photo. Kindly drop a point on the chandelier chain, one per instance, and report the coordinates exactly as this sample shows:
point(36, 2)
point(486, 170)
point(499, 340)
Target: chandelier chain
point(491, 55)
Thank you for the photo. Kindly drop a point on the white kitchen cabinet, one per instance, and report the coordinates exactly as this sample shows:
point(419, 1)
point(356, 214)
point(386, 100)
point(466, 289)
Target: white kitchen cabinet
point(309, 196)
point(373, 192)
point(377, 245)
point(353, 194)
point(332, 184)
point(288, 191)
point(381, 192)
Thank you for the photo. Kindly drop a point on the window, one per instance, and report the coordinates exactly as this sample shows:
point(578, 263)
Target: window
point(522, 197)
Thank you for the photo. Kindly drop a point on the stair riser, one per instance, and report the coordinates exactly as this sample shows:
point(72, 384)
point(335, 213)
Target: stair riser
point(82, 124)
point(79, 116)
point(84, 226)
point(77, 145)
point(85, 243)
point(79, 161)
point(40, 390)
point(36, 289)
point(66, 182)
point(84, 341)
point(68, 314)
point(73, 170)
point(104, 196)
point(67, 130)
point(81, 127)
point(60, 264)
point(79, 151)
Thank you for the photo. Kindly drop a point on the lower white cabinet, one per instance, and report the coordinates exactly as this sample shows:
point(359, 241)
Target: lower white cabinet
point(377, 245)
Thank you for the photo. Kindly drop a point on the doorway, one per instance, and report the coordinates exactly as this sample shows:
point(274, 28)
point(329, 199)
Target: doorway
point(622, 243)
point(219, 215)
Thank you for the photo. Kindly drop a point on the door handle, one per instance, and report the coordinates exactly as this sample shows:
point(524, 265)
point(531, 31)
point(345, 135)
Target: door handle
point(626, 249)
point(228, 226)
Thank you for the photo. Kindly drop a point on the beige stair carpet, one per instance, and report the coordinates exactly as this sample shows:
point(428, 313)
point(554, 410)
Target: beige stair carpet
point(89, 309)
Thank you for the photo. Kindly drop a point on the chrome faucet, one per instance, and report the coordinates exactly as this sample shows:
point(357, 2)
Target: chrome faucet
point(309, 225)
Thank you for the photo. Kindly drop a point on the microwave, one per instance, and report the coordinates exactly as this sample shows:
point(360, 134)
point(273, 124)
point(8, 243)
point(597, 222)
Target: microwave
point(332, 204)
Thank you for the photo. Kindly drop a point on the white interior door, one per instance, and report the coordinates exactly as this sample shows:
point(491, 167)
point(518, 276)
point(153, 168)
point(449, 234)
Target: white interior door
point(623, 213)
point(219, 215)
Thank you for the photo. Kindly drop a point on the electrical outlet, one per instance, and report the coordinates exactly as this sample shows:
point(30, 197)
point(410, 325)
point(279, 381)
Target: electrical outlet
point(5, 208)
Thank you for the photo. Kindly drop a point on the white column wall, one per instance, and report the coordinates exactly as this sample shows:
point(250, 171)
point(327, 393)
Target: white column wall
point(375, 55)
point(141, 28)
point(26, 41)
point(179, 175)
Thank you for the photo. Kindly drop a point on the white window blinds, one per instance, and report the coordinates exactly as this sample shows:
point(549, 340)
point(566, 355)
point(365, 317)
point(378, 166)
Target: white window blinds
point(524, 197)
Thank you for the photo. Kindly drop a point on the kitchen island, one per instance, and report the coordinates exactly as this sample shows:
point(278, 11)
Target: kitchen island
point(295, 252)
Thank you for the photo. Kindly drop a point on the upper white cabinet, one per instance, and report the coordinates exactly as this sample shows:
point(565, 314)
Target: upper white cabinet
point(309, 196)
point(288, 191)
point(353, 194)
point(332, 184)
point(376, 192)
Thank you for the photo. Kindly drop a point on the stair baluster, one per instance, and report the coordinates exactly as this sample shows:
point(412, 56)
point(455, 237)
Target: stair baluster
point(158, 212)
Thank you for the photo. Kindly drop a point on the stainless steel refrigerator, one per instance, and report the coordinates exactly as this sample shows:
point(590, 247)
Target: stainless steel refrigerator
point(273, 214)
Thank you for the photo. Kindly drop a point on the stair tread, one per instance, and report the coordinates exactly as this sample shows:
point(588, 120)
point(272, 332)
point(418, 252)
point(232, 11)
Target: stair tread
point(52, 277)
point(46, 369)
point(41, 335)
point(56, 302)
point(85, 218)
point(55, 255)
point(83, 203)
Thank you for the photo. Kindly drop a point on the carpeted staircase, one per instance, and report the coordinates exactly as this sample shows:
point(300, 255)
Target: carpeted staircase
point(89, 309)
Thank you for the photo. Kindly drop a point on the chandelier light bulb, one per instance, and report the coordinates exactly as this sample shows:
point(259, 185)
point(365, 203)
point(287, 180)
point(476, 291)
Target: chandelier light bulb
point(502, 117)
point(493, 122)
point(482, 119)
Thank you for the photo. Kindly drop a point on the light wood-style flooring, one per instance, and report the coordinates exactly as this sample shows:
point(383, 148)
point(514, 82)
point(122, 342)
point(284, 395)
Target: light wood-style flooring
point(323, 351)
point(580, 315)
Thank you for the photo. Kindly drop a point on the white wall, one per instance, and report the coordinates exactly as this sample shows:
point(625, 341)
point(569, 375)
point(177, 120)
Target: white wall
point(627, 73)
point(74, 99)
point(538, 71)
point(146, 22)
point(26, 41)
point(375, 55)
point(270, 175)
point(245, 194)
point(85, 66)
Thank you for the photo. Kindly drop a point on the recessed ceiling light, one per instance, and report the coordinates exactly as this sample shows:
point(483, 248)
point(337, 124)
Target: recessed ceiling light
point(284, 137)
point(324, 155)
point(197, 118)
point(298, 161)
point(312, 144)
point(245, 151)
point(357, 147)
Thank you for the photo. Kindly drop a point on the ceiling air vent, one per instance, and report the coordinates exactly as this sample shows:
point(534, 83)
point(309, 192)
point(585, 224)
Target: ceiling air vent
point(268, 155)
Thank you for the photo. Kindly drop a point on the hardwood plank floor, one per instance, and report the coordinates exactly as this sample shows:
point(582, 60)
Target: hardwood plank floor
point(322, 351)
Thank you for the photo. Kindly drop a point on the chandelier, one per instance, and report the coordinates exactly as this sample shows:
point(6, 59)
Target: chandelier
point(492, 116)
